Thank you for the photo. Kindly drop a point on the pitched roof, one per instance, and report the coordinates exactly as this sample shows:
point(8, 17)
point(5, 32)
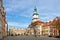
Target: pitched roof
point(36, 23)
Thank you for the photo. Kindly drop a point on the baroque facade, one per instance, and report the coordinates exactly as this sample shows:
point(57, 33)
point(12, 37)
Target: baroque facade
point(3, 23)
point(16, 31)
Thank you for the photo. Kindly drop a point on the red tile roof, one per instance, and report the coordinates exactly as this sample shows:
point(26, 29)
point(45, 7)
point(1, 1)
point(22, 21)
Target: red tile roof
point(39, 22)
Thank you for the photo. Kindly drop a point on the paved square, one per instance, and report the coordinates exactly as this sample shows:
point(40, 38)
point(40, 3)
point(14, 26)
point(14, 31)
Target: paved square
point(30, 38)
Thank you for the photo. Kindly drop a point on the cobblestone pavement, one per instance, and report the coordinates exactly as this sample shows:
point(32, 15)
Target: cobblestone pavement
point(30, 38)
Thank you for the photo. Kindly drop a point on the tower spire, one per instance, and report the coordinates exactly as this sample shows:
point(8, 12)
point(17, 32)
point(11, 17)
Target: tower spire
point(35, 15)
point(35, 11)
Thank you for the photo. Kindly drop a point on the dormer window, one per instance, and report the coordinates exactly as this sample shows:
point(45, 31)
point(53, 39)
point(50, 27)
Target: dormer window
point(3, 14)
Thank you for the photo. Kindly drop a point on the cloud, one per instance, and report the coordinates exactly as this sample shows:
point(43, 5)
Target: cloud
point(48, 16)
point(17, 25)
point(18, 4)
point(15, 5)
point(23, 9)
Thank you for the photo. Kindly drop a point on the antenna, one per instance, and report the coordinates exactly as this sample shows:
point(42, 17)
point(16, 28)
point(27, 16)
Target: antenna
point(36, 2)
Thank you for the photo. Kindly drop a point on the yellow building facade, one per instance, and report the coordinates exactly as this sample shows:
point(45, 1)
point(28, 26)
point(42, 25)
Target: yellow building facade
point(16, 31)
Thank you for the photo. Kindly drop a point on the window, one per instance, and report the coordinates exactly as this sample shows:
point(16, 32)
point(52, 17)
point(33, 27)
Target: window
point(0, 32)
point(0, 10)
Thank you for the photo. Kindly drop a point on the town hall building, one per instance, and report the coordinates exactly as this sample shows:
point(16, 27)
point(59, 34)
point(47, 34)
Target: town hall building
point(37, 27)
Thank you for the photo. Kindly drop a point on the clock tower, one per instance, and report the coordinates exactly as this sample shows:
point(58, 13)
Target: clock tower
point(35, 15)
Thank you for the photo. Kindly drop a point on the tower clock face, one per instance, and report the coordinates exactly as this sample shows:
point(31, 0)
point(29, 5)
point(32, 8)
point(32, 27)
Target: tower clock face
point(35, 16)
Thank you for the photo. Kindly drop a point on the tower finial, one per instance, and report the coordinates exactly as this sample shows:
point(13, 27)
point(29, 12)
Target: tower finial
point(35, 11)
point(35, 15)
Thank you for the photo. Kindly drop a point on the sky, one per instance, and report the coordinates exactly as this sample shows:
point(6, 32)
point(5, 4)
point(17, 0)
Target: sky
point(19, 13)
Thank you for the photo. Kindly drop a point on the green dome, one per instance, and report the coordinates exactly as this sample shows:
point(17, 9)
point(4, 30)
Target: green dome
point(35, 11)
